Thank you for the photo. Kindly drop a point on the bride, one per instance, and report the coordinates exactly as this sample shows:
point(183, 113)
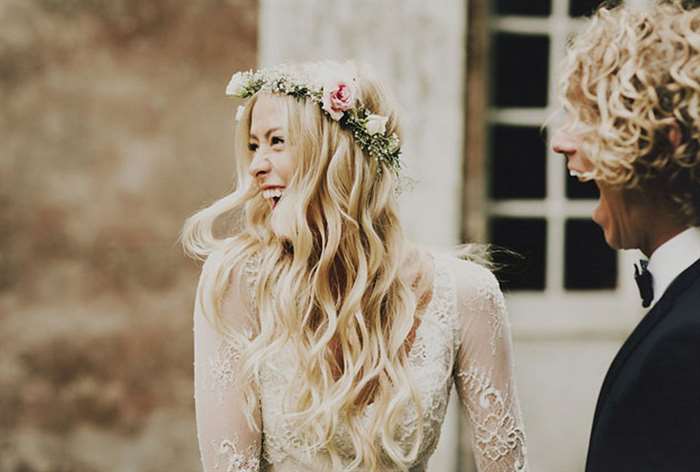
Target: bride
point(324, 339)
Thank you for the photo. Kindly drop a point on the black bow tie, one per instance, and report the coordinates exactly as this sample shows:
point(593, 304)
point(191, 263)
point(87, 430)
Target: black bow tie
point(644, 282)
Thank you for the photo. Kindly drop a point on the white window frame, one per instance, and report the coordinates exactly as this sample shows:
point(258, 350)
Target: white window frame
point(557, 312)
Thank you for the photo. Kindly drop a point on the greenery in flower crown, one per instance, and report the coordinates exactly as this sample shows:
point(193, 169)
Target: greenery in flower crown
point(338, 102)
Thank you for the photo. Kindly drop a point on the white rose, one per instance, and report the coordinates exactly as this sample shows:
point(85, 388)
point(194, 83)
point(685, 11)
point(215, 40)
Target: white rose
point(239, 112)
point(235, 85)
point(376, 124)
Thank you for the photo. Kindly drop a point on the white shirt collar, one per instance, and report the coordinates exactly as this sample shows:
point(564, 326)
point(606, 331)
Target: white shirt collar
point(672, 258)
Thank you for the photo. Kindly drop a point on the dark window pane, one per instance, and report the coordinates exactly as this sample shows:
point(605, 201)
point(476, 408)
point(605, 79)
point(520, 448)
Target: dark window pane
point(520, 7)
point(589, 262)
point(576, 190)
point(518, 156)
point(520, 68)
point(528, 238)
point(586, 7)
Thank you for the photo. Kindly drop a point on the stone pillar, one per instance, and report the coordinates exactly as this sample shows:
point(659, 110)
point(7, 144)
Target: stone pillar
point(418, 49)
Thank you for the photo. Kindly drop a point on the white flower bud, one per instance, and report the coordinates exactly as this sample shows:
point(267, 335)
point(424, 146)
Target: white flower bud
point(235, 85)
point(376, 124)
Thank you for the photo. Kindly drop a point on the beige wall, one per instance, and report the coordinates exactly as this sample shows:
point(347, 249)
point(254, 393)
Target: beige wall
point(418, 49)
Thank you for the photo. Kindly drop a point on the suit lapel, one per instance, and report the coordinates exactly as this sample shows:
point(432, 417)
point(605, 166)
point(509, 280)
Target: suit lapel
point(651, 319)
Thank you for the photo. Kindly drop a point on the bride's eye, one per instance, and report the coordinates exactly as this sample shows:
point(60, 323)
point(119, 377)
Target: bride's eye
point(276, 140)
point(252, 147)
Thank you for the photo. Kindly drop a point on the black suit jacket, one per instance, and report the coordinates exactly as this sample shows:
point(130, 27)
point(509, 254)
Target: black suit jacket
point(648, 412)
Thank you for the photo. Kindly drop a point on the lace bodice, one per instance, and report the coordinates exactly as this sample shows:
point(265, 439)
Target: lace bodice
point(463, 339)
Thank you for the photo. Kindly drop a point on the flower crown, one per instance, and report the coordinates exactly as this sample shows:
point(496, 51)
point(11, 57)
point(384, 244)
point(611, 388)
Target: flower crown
point(339, 101)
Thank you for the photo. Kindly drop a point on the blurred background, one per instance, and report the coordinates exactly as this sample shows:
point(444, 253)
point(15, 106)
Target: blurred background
point(115, 128)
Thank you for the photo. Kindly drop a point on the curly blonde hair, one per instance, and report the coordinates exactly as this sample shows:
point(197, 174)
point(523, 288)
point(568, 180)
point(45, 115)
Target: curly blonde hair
point(631, 82)
point(335, 276)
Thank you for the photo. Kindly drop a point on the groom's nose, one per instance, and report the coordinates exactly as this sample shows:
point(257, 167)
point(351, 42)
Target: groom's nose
point(569, 146)
point(563, 143)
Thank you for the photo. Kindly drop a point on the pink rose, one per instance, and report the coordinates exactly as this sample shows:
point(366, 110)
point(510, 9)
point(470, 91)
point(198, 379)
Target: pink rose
point(338, 99)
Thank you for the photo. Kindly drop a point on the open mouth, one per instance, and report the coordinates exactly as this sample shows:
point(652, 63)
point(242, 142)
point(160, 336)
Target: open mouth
point(273, 196)
point(581, 176)
point(574, 173)
point(578, 175)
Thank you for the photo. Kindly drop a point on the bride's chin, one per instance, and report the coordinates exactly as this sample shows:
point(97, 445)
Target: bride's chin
point(281, 222)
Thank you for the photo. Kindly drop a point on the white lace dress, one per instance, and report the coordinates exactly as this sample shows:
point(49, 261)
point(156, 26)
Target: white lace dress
point(463, 338)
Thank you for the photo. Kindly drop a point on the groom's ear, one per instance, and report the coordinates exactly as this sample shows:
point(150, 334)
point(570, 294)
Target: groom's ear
point(675, 135)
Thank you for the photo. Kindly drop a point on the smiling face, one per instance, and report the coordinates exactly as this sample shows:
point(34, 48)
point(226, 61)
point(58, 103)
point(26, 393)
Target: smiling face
point(272, 158)
point(621, 213)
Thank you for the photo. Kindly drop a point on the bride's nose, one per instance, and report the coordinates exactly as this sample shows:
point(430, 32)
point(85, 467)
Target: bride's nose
point(259, 165)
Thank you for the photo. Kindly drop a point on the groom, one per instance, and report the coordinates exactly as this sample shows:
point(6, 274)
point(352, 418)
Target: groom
point(631, 88)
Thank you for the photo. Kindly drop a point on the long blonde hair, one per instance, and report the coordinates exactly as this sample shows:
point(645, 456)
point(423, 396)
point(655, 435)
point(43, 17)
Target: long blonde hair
point(335, 276)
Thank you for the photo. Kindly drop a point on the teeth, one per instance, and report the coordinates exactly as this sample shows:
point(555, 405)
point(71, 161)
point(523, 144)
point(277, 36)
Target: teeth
point(581, 176)
point(272, 193)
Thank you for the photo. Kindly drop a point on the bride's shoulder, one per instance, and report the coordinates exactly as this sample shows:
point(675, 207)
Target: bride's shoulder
point(472, 279)
point(234, 254)
point(225, 296)
point(478, 300)
point(234, 262)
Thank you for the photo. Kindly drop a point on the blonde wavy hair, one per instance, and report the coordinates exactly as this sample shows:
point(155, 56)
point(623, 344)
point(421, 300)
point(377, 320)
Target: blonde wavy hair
point(335, 276)
point(631, 83)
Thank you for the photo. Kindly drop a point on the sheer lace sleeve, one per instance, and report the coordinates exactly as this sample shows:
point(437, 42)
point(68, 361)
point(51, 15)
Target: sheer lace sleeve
point(484, 372)
point(227, 442)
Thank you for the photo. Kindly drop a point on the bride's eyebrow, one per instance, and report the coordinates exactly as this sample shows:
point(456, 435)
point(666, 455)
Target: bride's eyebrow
point(272, 130)
point(267, 133)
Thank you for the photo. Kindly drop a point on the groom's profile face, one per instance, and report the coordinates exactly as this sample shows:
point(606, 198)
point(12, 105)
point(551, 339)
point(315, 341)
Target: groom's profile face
point(620, 212)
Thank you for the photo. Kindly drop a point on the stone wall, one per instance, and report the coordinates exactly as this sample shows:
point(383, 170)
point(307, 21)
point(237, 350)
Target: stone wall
point(114, 128)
